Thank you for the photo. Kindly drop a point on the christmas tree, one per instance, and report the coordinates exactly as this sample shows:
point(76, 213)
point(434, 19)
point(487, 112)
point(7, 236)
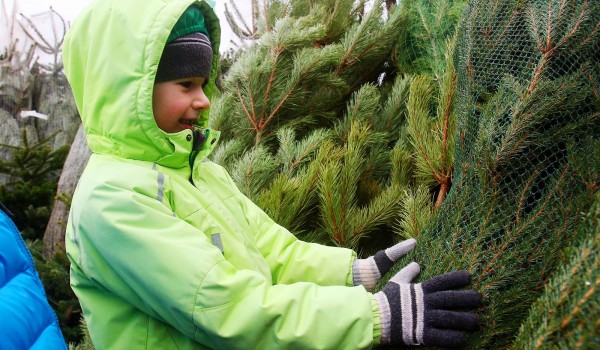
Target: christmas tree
point(526, 161)
point(356, 124)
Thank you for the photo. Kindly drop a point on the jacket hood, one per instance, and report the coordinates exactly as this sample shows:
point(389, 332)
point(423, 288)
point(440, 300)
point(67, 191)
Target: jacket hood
point(111, 55)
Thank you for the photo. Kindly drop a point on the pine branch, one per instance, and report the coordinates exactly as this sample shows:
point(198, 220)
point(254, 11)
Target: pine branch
point(415, 214)
point(253, 170)
point(403, 164)
point(429, 135)
point(394, 112)
point(380, 210)
point(359, 42)
point(292, 154)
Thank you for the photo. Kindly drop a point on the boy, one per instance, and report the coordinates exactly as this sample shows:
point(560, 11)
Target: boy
point(166, 253)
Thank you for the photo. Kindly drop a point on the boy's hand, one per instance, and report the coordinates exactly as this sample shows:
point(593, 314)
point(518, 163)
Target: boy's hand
point(428, 313)
point(368, 271)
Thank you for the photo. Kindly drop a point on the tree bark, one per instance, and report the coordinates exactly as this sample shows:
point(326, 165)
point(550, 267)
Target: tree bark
point(54, 237)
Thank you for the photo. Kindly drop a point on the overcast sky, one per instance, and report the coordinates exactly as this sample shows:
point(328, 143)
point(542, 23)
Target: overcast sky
point(70, 8)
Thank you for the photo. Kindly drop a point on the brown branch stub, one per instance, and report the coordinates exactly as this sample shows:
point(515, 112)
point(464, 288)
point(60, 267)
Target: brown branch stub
point(444, 189)
point(246, 111)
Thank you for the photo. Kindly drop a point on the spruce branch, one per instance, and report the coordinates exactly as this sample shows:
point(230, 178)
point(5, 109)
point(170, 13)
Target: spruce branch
point(558, 29)
point(497, 17)
point(523, 142)
point(567, 313)
point(587, 170)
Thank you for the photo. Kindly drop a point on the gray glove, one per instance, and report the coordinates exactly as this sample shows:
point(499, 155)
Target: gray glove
point(428, 313)
point(368, 271)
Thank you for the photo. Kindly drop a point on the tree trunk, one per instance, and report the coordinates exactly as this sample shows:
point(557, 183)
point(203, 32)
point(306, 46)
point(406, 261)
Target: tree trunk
point(54, 237)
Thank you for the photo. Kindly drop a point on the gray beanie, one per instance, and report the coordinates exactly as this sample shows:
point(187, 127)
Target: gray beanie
point(188, 52)
point(187, 56)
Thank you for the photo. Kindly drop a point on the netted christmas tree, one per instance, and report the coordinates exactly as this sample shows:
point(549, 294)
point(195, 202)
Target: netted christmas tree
point(567, 315)
point(527, 163)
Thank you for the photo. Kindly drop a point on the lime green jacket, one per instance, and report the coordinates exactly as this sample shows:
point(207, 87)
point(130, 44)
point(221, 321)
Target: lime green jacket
point(165, 251)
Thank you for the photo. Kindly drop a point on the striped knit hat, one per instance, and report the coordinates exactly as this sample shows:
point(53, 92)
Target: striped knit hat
point(188, 52)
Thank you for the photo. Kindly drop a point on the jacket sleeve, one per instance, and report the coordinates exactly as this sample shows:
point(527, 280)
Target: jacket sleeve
point(292, 260)
point(133, 246)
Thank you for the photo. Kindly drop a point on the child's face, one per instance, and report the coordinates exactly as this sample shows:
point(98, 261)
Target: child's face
point(178, 103)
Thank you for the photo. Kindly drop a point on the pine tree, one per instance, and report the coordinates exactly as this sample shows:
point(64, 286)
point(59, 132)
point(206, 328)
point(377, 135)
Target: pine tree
point(282, 101)
point(319, 120)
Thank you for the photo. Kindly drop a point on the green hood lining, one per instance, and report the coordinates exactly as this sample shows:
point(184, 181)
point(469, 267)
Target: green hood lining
point(191, 21)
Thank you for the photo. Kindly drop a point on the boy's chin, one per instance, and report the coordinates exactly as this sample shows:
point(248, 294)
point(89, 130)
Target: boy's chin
point(186, 127)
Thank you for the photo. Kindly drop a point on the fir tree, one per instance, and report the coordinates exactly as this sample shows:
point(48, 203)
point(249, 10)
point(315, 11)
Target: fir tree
point(526, 161)
point(33, 171)
point(567, 315)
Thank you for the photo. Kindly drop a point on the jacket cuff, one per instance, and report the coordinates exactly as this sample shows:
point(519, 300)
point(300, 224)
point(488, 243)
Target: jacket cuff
point(376, 320)
point(350, 276)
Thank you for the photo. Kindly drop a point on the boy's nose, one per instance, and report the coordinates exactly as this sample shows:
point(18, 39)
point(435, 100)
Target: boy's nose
point(200, 100)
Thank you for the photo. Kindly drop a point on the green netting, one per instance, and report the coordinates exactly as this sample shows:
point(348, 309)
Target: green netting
point(527, 155)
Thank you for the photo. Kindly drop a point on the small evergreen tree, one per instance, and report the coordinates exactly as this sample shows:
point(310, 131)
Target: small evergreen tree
point(33, 170)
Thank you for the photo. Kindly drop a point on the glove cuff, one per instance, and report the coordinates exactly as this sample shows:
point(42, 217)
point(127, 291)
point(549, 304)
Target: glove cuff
point(385, 315)
point(365, 273)
point(405, 308)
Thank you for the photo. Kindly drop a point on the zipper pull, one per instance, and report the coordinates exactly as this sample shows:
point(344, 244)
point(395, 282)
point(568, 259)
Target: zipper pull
point(199, 139)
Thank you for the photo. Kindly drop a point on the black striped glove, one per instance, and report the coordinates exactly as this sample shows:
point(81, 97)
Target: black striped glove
point(428, 313)
point(368, 271)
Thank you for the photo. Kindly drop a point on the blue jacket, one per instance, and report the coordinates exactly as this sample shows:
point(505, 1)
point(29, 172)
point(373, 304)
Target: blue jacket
point(26, 319)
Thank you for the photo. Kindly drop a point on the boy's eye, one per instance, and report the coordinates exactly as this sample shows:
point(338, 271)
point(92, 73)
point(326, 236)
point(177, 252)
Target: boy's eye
point(186, 84)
